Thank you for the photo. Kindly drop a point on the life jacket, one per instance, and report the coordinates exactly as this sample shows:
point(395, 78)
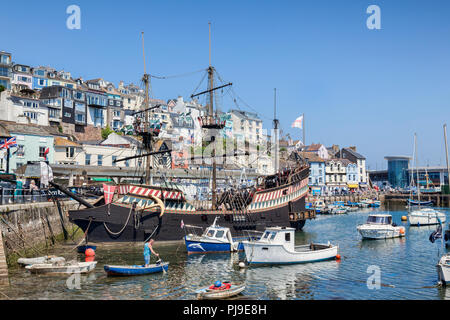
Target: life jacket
point(225, 286)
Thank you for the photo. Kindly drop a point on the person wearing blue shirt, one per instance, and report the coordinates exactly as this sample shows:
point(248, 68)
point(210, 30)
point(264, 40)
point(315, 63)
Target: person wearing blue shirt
point(148, 250)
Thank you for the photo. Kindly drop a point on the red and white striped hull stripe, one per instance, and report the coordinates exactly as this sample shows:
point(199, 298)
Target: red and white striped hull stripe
point(156, 193)
point(279, 193)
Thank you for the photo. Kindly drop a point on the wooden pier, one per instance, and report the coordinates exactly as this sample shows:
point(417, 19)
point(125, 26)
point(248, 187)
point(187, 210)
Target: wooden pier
point(439, 200)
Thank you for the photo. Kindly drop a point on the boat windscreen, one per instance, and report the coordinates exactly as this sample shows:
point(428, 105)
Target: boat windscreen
point(219, 234)
point(379, 220)
point(266, 235)
point(210, 233)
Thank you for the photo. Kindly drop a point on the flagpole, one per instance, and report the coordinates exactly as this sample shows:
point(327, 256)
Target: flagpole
point(7, 160)
point(304, 139)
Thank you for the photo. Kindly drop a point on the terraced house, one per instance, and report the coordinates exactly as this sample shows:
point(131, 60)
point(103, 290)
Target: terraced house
point(5, 69)
point(22, 76)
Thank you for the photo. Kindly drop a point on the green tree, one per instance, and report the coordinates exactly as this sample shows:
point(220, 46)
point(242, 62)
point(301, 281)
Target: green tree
point(106, 132)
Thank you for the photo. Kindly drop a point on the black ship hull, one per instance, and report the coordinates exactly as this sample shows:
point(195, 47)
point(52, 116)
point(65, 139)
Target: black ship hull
point(114, 223)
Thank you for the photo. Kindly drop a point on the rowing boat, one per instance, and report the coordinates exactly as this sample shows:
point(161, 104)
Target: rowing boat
point(62, 268)
point(39, 260)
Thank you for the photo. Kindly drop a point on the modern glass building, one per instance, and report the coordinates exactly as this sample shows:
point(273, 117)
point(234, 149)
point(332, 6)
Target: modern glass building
point(398, 171)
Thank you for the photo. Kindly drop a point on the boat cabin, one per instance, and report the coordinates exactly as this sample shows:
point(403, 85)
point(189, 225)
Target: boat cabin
point(216, 232)
point(279, 235)
point(379, 219)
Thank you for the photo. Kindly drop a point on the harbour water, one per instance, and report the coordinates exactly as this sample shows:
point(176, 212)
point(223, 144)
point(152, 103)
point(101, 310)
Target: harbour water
point(407, 269)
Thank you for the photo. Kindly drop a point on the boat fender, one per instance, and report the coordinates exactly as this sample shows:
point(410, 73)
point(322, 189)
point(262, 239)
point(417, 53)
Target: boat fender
point(89, 252)
point(402, 230)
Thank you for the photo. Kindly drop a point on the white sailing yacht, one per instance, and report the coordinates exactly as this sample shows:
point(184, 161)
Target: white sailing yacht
point(423, 216)
point(443, 266)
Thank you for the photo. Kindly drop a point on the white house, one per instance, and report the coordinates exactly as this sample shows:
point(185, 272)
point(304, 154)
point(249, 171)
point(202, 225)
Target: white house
point(318, 149)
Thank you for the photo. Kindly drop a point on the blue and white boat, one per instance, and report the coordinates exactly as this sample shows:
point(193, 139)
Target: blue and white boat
point(136, 270)
point(214, 239)
point(419, 203)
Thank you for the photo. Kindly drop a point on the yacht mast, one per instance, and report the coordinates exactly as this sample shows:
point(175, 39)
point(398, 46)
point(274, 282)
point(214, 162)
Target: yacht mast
point(417, 170)
point(446, 154)
point(411, 183)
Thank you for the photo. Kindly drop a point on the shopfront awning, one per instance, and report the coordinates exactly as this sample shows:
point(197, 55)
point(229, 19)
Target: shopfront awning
point(353, 186)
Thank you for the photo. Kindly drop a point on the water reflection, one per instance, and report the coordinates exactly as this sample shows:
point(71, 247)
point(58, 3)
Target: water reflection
point(288, 281)
point(407, 269)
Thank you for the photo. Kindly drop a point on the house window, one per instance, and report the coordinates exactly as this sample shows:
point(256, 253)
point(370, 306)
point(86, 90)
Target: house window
point(87, 160)
point(80, 117)
point(127, 163)
point(70, 152)
point(42, 152)
point(20, 150)
point(30, 115)
point(99, 160)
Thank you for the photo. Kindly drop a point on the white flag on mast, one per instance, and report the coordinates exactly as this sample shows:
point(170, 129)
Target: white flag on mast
point(298, 123)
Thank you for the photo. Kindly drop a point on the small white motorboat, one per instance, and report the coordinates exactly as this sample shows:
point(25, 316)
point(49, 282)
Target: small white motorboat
point(39, 260)
point(276, 246)
point(425, 217)
point(380, 226)
point(443, 268)
point(338, 210)
point(62, 268)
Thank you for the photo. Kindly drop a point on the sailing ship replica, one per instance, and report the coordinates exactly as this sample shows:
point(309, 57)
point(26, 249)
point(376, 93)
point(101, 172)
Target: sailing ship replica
point(141, 212)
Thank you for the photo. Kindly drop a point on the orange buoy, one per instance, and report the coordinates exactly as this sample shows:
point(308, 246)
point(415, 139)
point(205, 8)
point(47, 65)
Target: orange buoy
point(90, 259)
point(402, 231)
point(404, 218)
point(338, 257)
point(89, 252)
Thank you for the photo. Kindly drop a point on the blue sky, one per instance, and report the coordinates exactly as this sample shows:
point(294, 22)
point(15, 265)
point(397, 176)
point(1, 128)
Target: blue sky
point(368, 88)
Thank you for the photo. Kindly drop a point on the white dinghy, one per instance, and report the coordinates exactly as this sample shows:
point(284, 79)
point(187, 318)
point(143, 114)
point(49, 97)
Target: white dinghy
point(62, 268)
point(46, 259)
point(277, 246)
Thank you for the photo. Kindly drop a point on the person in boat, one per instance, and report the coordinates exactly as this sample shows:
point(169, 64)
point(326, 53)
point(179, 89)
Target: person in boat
point(148, 250)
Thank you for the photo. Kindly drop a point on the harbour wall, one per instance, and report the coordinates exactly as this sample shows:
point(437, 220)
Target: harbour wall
point(31, 229)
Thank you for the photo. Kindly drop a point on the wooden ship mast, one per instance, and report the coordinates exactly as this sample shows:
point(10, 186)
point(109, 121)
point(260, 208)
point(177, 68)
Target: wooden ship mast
point(212, 122)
